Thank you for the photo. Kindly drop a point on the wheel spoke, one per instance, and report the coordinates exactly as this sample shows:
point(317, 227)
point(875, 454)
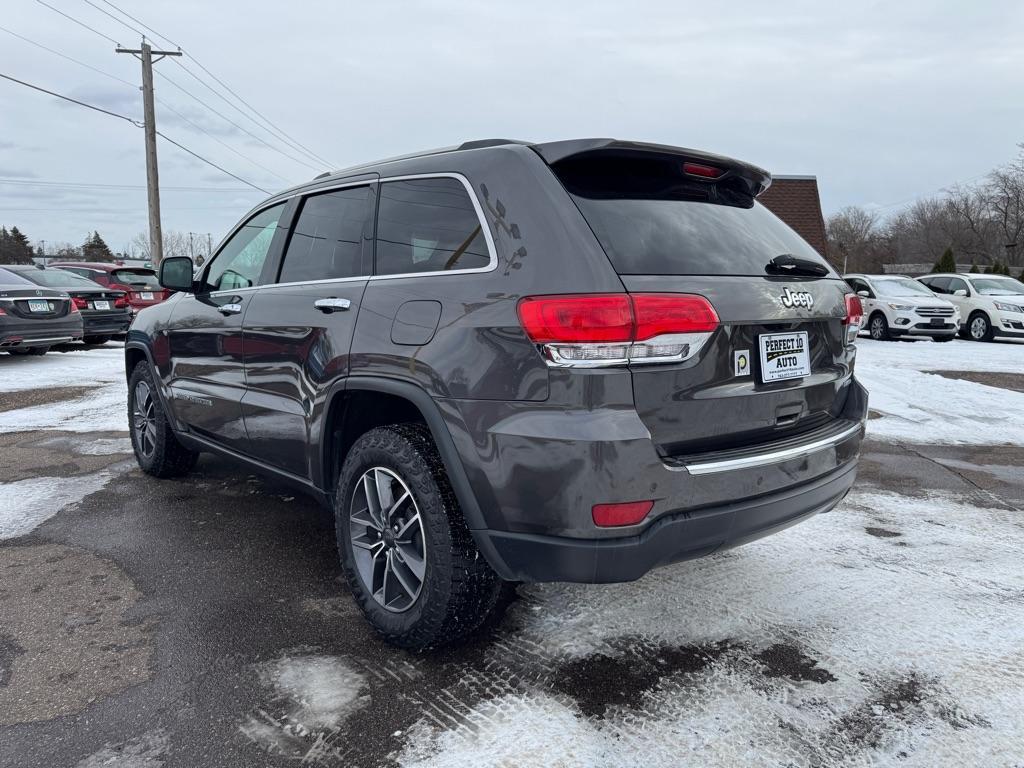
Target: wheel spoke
point(384, 493)
point(372, 502)
point(410, 589)
point(394, 507)
point(404, 534)
point(364, 517)
point(413, 559)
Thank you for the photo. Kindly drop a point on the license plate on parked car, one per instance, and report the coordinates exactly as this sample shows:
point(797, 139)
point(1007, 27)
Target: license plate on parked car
point(101, 305)
point(784, 356)
point(938, 321)
point(146, 295)
point(38, 306)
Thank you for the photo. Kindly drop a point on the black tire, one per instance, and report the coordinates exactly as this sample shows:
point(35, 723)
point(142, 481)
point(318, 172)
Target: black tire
point(878, 327)
point(157, 450)
point(945, 338)
point(97, 340)
point(458, 593)
point(979, 327)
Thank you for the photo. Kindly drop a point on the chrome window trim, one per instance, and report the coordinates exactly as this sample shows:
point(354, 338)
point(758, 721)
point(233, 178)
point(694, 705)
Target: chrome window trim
point(492, 251)
point(771, 457)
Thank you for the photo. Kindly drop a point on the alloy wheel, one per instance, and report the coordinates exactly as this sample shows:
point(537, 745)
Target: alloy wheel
point(386, 532)
point(979, 327)
point(144, 419)
point(877, 328)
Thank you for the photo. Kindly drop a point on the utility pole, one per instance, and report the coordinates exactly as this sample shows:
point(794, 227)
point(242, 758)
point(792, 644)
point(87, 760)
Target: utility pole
point(145, 54)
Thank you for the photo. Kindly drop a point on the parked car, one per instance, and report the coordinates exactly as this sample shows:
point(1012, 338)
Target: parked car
point(105, 313)
point(990, 305)
point(574, 361)
point(33, 319)
point(897, 306)
point(139, 283)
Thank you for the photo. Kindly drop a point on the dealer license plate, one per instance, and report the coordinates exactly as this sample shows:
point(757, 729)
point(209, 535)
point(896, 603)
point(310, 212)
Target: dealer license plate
point(146, 295)
point(784, 356)
point(101, 305)
point(38, 306)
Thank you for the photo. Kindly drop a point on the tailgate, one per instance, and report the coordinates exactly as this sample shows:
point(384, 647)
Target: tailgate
point(724, 398)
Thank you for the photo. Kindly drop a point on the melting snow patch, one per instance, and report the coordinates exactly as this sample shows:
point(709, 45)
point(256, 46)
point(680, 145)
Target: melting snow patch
point(147, 751)
point(315, 694)
point(26, 504)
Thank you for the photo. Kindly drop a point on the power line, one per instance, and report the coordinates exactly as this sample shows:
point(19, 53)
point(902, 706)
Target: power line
point(79, 23)
point(137, 124)
point(119, 21)
point(114, 187)
point(163, 104)
point(268, 124)
point(178, 86)
point(65, 56)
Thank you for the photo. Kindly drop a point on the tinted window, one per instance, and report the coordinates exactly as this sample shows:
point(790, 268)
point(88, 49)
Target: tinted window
point(328, 237)
point(651, 219)
point(239, 263)
point(136, 278)
point(956, 284)
point(7, 277)
point(428, 225)
point(939, 284)
point(56, 278)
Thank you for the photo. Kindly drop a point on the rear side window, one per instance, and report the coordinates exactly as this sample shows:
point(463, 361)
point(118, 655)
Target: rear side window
point(651, 219)
point(428, 225)
point(939, 284)
point(327, 241)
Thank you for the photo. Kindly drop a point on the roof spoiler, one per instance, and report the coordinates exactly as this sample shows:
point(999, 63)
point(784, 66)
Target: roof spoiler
point(757, 179)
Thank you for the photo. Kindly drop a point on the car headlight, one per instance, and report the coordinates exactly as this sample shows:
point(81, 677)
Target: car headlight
point(1007, 307)
point(900, 307)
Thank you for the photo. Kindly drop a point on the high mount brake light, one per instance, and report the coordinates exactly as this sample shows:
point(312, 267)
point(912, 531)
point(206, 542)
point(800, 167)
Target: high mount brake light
point(854, 317)
point(590, 330)
point(704, 171)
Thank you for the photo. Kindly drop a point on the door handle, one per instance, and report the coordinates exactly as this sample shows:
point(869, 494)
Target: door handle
point(229, 309)
point(327, 306)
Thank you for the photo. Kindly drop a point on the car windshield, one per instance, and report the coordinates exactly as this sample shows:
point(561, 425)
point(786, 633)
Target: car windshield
point(900, 286)
point(997, 286)
point(57, 278)
point(136, 278)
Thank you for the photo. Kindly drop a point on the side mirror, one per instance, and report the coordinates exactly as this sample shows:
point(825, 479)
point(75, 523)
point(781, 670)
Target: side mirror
point(960, 292)
point(176, 273)
point(864, 294)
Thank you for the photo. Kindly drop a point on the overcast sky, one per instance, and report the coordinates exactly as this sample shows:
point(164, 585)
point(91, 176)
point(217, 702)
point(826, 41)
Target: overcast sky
point(884, 102)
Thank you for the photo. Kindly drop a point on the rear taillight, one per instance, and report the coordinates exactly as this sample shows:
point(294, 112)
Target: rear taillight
point(2, 311)
point(78, 303)
point(120, 302)
point(589, 330)
point(854, 317)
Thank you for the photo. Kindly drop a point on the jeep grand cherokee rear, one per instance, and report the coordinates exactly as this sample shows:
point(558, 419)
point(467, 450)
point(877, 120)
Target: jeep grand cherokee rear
point(512, 362)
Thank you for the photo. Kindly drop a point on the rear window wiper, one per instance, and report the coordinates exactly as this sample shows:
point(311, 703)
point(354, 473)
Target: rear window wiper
point(788, 264)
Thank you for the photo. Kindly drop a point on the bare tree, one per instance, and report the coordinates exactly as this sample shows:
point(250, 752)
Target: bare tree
point(853, 238)
point(175, 244)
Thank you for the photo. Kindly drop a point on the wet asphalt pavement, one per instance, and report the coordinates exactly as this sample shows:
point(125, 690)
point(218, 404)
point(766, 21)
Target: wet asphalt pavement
point(137, 625)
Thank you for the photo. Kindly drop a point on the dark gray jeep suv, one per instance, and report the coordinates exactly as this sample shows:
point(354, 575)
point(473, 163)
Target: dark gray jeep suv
point(501, 362)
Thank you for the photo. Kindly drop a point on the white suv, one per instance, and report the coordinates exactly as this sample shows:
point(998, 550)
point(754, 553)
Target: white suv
point(990, 305)
point(897, 306)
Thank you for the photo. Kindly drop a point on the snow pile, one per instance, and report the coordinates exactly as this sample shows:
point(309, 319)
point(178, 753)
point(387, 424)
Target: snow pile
point(26, 504)
point(922, 407)
point(102, 409)
point(899, 622)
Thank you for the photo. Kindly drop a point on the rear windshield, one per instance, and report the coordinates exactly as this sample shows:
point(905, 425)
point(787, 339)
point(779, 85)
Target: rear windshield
point(57, 278)
point(653, 220)
point(136, 278)
point(12, 278)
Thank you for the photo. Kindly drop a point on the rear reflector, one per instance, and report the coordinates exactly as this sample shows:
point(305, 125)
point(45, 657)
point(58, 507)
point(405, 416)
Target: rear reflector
point(626, 513)
point(617, 328)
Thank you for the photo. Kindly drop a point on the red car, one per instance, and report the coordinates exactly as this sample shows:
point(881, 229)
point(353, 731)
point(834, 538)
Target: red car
point(140, 283)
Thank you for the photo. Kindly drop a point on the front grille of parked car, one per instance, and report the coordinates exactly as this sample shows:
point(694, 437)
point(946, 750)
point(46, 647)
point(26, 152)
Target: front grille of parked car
point(935, 311)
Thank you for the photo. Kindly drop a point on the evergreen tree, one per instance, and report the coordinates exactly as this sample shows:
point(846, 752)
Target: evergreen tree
point(95, 249)
point(974, 268)
point(20, 250)
point(947, 263)
point(989, 269)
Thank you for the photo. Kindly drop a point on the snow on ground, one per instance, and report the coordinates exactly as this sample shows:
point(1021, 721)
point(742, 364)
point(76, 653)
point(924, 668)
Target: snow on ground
point(25, 504)
point(922, 407)
point(102, 409)
point(891, 630)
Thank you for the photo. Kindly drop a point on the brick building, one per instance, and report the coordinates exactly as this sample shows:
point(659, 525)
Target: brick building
point(794, 199)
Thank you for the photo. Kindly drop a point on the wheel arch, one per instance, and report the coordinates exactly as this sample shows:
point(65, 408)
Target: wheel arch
point(136, 352)
point(347, 416)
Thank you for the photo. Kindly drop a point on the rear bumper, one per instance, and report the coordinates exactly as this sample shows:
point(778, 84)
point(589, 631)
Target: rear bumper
point(106, 324)
point(540, 472)
point(670, 539)
point(16, 332)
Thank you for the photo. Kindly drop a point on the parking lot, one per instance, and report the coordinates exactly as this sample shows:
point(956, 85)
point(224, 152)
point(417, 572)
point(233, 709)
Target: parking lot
point(203, 621)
